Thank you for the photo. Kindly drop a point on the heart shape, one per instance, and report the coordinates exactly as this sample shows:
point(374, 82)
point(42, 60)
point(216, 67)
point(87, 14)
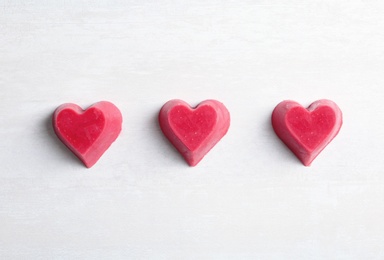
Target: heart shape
point(87, 133)
point(307, 131)
point(194, 131)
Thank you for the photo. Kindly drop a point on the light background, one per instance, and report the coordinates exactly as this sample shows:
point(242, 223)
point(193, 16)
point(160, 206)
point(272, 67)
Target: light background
point(250, 198)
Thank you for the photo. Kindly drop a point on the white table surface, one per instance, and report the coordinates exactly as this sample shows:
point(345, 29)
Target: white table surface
point(250, 198)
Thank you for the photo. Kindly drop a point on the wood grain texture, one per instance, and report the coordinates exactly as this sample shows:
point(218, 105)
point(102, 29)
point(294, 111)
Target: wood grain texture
point(250, 198)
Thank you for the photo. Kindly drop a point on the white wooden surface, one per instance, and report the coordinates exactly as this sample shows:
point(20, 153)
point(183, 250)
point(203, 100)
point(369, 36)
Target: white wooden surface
point(250, 198)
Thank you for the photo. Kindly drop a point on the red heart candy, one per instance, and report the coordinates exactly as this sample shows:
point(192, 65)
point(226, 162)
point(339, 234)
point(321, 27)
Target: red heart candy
point(194, 131)
point(307, 131)
point(87, 133)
